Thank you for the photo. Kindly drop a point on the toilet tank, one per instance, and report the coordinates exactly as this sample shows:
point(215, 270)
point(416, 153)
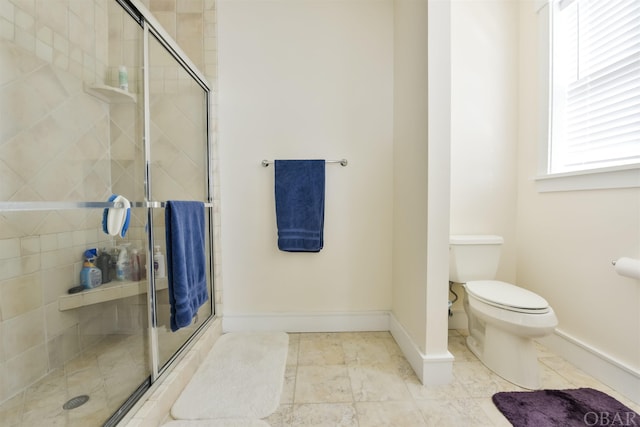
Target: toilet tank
point(473, 257)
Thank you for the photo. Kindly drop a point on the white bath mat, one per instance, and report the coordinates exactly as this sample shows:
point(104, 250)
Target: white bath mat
point(241, 377)
point(221, 422)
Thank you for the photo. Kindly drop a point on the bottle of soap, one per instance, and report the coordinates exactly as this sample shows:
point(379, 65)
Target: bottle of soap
point(158, 263)
point(104, 264)
point(123, 266)
point(90, 275)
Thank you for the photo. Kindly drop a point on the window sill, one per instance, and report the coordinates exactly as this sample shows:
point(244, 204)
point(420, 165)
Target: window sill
point(594, 179)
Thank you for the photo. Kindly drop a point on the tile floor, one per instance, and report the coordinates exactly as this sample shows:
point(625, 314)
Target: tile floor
point(332, 379)
point(362, 379)
point(108, 372)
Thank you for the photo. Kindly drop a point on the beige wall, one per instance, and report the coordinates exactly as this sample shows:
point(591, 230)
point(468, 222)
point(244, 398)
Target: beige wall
point(567, 240)
point(410, 168)
point(421, 176)
point(560, 244)
point(310, 79)
point(484, 122)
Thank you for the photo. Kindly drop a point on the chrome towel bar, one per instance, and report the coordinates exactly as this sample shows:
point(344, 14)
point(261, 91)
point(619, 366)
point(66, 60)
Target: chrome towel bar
point(50, 206)
point(343, 162)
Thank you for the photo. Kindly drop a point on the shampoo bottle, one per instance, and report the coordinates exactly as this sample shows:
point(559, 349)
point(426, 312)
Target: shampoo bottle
point(158, 263)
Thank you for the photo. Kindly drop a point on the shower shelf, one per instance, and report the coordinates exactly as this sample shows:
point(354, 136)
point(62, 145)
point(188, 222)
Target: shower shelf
point(107, 292)
point(111, 95)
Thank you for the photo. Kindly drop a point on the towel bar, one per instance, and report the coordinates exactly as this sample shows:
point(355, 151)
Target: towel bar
point(54, 206)
point(343, 162)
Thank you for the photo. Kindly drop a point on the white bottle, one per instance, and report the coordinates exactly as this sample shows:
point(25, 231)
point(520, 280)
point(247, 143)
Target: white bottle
point(123, 78)
point(123, 265)
point(158, 263)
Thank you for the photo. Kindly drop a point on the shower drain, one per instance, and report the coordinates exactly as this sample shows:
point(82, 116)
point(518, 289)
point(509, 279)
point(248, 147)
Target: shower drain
point(73, 403)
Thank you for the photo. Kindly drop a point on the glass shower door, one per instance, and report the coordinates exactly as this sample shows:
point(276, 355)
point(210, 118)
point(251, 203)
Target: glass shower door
point(74, 131)
point(69, 138)
point(179, 164)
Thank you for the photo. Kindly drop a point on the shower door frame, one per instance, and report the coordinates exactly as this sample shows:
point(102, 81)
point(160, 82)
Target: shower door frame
point(174, 50)
point(151, 26)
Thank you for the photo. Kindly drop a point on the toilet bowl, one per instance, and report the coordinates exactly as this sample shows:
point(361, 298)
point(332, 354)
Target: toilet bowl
point(503, 319)
point(501, 332)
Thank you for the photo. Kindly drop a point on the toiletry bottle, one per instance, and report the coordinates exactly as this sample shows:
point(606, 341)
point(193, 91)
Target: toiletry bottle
point(123, 78)
point(158, 263)
point(135, 265)
point(104, 264)
point(113, 264)
point(123, 266)
point(90, 275)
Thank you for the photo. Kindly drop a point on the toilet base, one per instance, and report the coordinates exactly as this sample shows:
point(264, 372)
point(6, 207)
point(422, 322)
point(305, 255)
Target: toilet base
point(511, 357)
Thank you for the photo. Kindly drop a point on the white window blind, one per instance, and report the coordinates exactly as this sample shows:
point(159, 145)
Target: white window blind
point(595, 120)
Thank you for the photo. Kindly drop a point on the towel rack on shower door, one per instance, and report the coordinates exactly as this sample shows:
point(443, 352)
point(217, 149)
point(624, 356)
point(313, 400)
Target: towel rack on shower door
point(49, 206)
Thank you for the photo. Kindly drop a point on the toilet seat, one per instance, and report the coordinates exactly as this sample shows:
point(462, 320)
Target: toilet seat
point(507, 296)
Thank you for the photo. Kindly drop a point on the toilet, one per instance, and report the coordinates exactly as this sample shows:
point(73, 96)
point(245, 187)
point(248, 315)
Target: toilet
point(503, 318)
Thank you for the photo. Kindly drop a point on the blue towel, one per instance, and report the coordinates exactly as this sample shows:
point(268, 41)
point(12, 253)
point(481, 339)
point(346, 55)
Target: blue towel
point(300, 204)
point(186, 264)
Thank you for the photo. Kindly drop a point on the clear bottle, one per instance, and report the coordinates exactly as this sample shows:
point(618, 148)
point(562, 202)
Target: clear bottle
point(158, 263)
point(123, 78)
point(123, 266)
point(135, 265)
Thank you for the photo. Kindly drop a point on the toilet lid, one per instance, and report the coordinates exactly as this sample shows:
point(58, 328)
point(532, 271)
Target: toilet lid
point(506, 295)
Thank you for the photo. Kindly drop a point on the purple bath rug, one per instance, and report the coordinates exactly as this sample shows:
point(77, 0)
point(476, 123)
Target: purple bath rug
point(564, 408)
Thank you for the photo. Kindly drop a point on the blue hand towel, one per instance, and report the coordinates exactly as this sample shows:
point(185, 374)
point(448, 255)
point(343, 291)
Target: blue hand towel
point(299, 190)
point(186, 263)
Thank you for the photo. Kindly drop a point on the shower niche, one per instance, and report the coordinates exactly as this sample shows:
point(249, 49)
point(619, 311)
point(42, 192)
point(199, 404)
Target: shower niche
point(70, 137)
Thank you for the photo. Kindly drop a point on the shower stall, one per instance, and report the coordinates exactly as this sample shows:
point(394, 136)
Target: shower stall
point(95, 99)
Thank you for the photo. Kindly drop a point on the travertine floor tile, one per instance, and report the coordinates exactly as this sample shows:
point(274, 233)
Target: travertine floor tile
point(389, 414)
point(325, 414)
point(362, 379)
point(351, 379)
point(325, 383)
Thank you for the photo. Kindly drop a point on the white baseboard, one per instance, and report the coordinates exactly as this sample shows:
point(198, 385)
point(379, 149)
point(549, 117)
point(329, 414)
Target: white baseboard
point(307, 322)
point(597, 364)
point(430, 369)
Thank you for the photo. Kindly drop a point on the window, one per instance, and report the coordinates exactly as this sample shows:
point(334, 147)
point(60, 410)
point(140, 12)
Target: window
point(594, 85)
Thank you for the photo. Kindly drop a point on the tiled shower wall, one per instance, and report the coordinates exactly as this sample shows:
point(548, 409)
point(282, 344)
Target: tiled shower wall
point(75, 142)
point(70, 34)
point(54, 146)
